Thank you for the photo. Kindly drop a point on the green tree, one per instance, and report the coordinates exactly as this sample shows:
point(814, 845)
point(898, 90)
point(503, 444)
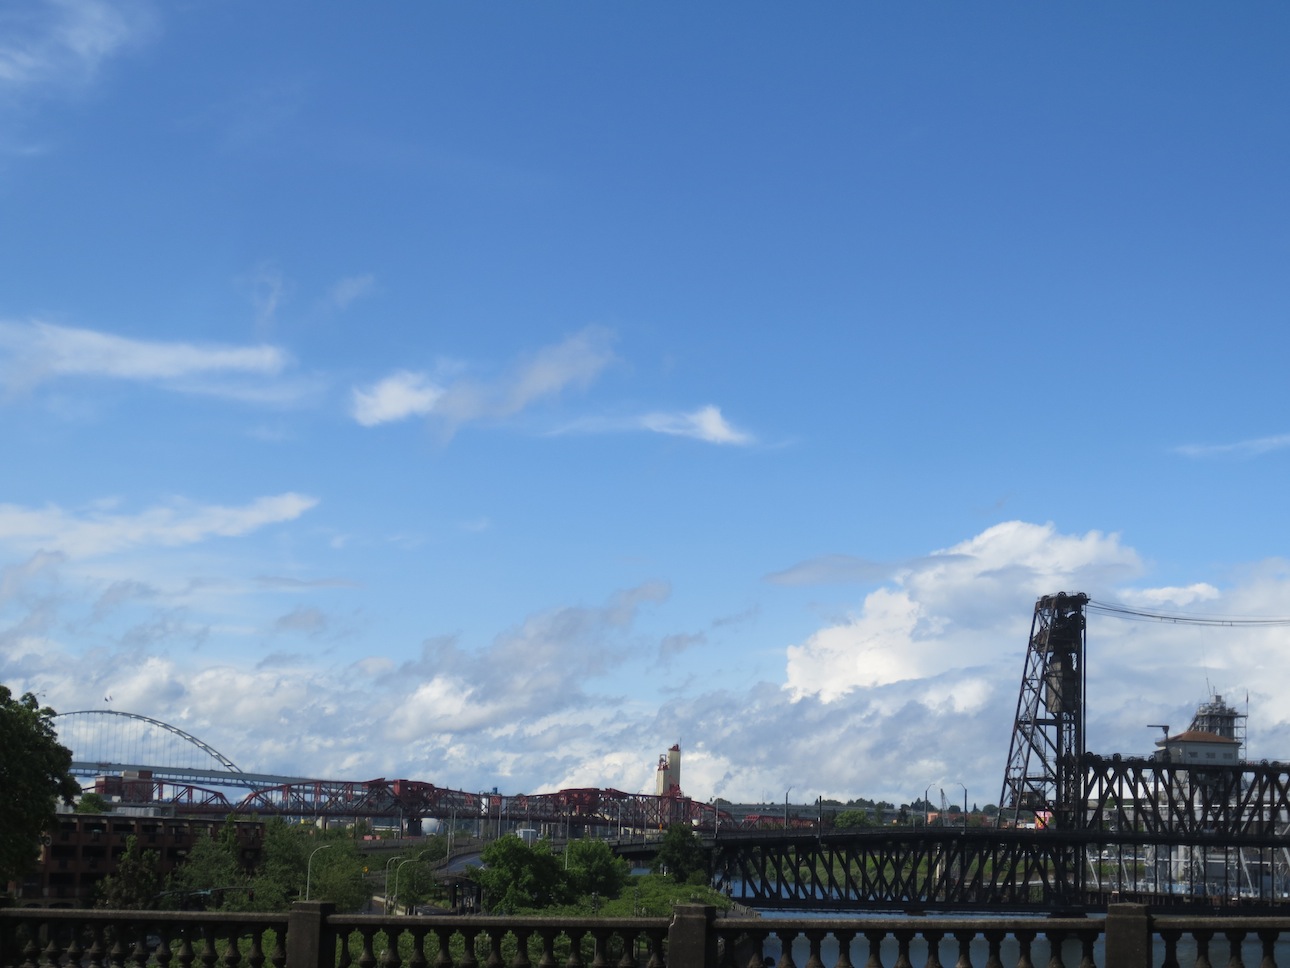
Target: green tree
point(212, 876)
point(680, 855)
point(35, 772)
point(518, 877)
point(594, 869)
point(93, 803)
point(137, 882)
point(853, 818)
point(338, 873)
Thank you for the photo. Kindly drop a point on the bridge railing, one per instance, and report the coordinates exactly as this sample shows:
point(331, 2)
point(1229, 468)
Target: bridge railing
point(312, 935)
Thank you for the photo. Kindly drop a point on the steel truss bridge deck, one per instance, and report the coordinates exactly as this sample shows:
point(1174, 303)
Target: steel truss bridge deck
point(1158, 832)
point(203, 792)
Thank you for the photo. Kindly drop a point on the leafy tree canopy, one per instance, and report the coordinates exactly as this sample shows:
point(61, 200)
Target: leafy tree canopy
point(34, 775)
point(214, 877)
point(92, 802)
point(681, 854)
point(137, 881)
point(594, 869)
point(516, 876)
point(853, 818)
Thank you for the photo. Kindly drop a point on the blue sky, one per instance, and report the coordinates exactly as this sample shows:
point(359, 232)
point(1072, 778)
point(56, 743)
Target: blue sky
point(496, 394)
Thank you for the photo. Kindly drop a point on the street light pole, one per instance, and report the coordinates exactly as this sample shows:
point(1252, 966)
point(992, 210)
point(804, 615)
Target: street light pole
point(927, 807)
point(309, 867)
point(385, 908)
point(786, 793)
point(965, 813)
point(397, 870)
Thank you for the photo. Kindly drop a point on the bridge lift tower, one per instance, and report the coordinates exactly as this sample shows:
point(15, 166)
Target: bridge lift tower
point(1044, 774)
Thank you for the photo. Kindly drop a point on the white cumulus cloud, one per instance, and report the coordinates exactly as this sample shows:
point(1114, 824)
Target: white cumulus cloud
point(397, 397)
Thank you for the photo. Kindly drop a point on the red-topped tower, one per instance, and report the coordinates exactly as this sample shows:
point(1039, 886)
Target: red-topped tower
point(669, 772)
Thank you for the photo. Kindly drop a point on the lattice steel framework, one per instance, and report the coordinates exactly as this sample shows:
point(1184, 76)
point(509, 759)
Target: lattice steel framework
point(1043, 774)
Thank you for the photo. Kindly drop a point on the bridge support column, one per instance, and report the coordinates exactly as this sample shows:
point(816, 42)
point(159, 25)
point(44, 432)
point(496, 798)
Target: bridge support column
point(310, 944)
point(1128, 936)
point(691, 942)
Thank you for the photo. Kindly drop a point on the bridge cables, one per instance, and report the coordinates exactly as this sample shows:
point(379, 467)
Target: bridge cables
point(1143, 615)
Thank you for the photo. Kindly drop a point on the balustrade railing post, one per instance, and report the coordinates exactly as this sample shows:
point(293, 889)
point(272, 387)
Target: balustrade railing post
point(310, 942)
point(691, 939)
point(1128, 936)
point(8, 932)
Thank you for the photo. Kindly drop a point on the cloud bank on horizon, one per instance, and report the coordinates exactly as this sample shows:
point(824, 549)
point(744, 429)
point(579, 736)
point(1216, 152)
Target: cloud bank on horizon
point(916, 684)
point(458, 395)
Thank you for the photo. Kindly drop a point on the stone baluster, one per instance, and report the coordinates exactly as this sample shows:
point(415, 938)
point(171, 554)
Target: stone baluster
point(469, 959)
point(418, 959)
point(844, 937)
point(232, 956)
point(786, 936)
point(391, 956)
point(903, 938)
point(495, 936)
point(875, 939)
point(1202, 937)
point(933, 939)
point(1234, 939)
point(813, 940)
point(994, 941)
point(1268, 938)
point(1024, 940)
point(1055, 940)
point(186, 954)
point(208, 956)
point(656, 940)
point(74, 953)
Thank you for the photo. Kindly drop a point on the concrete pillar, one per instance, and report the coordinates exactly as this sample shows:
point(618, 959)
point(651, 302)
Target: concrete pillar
point(310, 944)
point(1128, 936)
point(690, 941)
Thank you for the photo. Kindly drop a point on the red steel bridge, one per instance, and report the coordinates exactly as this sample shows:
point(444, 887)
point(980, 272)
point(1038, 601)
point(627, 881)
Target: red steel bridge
point(145, 761)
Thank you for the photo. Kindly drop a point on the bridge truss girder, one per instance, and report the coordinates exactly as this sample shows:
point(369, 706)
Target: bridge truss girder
point(977, 869)
point(1154, 797)
point(413, 800)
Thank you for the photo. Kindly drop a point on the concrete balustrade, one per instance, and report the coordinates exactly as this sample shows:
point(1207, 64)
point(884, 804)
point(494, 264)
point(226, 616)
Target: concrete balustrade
point(313, 935)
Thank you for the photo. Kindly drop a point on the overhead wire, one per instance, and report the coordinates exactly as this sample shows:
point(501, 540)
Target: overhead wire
point(1147, 615)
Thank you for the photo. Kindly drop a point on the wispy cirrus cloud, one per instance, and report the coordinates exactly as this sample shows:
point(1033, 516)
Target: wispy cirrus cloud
point(60, 44)
point(350, 288)
point(35, 352)
point(98, 531)
point(706, 424)
point(456, 400)
point(1242, 448)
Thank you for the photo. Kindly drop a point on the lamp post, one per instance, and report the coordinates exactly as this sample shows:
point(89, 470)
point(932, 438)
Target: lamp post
point(786, 793)
point(965, 813)
point(397, 870)
point(927, 807)
point(385, 908)
point(309, 867)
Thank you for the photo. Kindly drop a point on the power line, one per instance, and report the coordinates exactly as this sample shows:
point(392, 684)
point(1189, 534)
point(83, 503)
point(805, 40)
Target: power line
point(1145, 615)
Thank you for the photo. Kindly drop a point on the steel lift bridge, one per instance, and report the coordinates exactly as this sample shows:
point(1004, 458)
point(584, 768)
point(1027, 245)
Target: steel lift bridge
point(1076, 829)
